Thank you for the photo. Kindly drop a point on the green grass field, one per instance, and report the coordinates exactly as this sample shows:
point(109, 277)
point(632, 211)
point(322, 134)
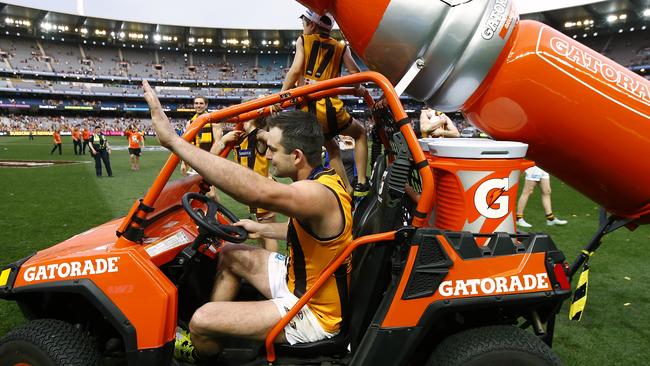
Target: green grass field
point(40, 207)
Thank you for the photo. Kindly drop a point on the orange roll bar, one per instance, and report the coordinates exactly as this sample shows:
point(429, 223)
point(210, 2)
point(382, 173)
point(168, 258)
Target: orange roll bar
point(293, 97)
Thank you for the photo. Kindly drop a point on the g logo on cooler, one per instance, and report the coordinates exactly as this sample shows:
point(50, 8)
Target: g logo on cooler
point(485, 205)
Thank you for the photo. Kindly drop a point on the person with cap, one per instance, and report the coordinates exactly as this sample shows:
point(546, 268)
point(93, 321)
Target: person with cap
point(100, 150)
point(320, 57)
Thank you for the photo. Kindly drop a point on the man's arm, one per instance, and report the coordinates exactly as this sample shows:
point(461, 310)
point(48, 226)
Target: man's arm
point(426, 125)
point(272, 230)
point(304, 200)
point(295, 71)
point(217, 134)
point(447, 128)
point(231, 137)
point(353, 68)
point(452, 130)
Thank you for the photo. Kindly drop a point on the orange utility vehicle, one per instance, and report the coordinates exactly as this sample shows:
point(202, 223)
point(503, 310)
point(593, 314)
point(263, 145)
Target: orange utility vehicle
point(418, 294)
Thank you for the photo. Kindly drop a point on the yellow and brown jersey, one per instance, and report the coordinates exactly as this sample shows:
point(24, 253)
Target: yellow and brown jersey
point(320, 252)
point(323, 61)
point(323, 57)
point(251, 153)
point(204, 138)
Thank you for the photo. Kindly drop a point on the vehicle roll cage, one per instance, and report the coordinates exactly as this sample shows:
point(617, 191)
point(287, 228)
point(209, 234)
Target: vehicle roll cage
point(130, 233)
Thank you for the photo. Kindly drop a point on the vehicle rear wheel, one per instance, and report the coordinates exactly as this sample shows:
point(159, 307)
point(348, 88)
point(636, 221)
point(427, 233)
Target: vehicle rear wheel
point(48, 342)
point(493, 346)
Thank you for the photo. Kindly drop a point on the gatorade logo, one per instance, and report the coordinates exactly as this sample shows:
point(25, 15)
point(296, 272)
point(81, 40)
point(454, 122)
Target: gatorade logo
point(495, 285)
point(71, 269)
point(494, 19)
point(599, 67)
point(489, 199)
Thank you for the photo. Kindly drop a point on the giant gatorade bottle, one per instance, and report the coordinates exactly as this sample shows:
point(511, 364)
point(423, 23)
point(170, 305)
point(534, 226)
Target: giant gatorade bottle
point(585, 118)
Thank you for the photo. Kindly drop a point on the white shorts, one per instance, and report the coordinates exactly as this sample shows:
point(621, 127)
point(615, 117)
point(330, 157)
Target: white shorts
point(304, 327)
point(536, 174)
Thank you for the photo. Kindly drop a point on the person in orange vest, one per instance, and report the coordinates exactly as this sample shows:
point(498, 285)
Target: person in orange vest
point(56, 137)
point(76, 140)
point(136, 142)
point(85, 135)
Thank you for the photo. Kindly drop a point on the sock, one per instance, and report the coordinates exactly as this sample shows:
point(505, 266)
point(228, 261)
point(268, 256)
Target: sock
point(550, 217)
point(520, 216)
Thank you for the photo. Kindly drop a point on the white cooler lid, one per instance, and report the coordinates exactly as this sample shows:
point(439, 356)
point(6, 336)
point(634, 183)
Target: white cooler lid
point(476, 148)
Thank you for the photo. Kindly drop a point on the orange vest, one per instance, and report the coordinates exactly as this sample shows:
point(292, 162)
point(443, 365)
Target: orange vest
point(57, 138)
point(134, 139)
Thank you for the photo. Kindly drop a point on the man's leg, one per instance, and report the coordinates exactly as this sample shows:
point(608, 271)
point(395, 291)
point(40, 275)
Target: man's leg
point(107, 162)
point(213, 320)
point(53, 149)
point(529, 186)
point(545, 188)
point(98, 164)
point(59, 146)
point(238, 261)
point(225, 317)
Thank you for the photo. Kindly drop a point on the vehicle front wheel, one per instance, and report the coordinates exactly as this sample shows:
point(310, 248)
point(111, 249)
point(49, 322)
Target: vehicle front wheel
point(493, 346)
point(48, 342)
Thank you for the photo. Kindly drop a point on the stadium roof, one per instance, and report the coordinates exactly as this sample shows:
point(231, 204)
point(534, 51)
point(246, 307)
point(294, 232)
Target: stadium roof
point(239, 14)
point(273, 24)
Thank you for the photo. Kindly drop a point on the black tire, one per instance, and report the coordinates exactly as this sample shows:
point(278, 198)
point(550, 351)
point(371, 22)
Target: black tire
point(48, 342)
point(493, 346)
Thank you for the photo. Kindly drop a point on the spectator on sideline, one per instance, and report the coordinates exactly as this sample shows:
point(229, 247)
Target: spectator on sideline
point(56, 137)
point(100, 150)
point(207, 136)
point(85, 135)
point(536, 176)
point(136, 143)
point(76, 140)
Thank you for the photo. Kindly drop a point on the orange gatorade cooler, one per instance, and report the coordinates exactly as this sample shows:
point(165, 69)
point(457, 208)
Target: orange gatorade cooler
point(476, 183)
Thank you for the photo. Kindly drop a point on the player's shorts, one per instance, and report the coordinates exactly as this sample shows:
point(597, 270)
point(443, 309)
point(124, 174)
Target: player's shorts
point(536, 174)
point(331, 115)
point(304, 327)
point(135, 152)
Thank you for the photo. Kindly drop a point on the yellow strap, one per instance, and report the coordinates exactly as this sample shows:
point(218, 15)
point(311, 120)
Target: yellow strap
point(4, 276)
point(580, 296)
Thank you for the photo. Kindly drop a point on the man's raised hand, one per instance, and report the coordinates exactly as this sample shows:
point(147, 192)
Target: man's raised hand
point(164, 130)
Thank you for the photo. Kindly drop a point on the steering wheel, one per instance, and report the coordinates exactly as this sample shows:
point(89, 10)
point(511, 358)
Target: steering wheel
point(209, 223)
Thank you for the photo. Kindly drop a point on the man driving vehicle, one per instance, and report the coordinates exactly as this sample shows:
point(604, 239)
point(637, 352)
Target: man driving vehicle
point(319, 229)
